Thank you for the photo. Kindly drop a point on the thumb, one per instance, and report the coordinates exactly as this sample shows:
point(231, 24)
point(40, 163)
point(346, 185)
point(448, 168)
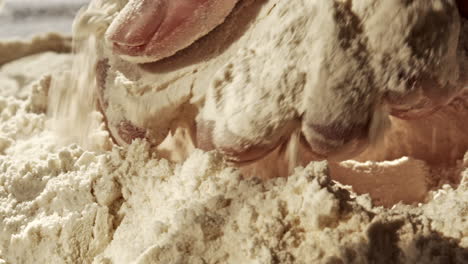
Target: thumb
point(137, 22)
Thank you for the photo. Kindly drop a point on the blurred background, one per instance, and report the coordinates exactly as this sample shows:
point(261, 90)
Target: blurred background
point(25, 18)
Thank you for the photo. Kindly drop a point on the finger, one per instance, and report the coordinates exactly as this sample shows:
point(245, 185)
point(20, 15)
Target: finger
point(344, 117)
point(339, 104)
point(338, 140)
point(429, 76)
point(427, 98)
point(165, 27)
point(237, 148)
point(245, 140)
point(122, 131)
point(248, 115)
point(125, 132)
point(137, 22)
point(129, 115)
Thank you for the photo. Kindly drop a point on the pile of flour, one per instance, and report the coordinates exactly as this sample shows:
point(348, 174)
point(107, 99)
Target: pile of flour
point(62, 204)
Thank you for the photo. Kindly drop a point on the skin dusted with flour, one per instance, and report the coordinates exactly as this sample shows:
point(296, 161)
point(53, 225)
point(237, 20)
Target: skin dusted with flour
point(360, 57)
point(150, 30)
point(331, 71)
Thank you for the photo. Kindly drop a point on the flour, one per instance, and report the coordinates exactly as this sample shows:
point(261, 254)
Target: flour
point(72, 100)
point(37, 44)
point(65, 203)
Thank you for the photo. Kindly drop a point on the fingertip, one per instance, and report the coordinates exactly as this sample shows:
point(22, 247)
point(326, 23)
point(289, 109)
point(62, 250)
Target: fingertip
point(127, 132)
point(429, 98)
point(236, 149)
point(336, 141)
point(150, 30)
point(137, 23)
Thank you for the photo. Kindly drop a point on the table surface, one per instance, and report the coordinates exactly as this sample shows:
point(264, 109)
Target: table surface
point(25, 18)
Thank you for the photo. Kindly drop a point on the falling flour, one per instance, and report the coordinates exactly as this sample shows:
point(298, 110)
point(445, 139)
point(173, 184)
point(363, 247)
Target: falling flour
point(65, 203)
point(72, 101)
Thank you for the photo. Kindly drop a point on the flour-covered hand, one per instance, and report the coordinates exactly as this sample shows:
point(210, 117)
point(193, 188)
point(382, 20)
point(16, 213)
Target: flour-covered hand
point(337, 81)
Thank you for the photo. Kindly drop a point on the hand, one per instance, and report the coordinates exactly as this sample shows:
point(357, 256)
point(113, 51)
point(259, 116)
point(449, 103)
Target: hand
point(336, 96)
point(337, 93)
point(150, 30)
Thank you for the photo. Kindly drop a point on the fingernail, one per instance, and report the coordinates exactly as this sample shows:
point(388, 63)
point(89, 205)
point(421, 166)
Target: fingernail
point(137, 23)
